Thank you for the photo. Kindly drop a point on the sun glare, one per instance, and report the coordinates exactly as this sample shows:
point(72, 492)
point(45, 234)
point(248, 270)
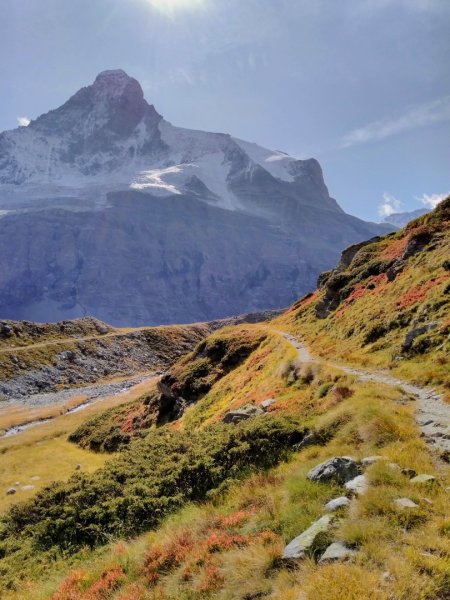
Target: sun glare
point(172, 6)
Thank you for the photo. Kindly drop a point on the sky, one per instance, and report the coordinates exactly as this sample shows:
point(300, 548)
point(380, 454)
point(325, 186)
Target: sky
point(361, 85)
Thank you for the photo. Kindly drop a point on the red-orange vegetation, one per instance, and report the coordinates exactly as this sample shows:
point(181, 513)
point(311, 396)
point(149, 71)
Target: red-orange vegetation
point(237, 518)
point(259, 395)
point(130, 420)
point(304, 302)
point(308, 300)
point(420, 292)
point(162, 558)
point(358, 292)
point(212, 579)
point(258, 357)
point(103, 588)
point(194, 554)
point(70, 587)
point(395, 249)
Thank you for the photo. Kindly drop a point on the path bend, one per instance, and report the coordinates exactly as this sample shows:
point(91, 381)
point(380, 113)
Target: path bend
point(433, 414)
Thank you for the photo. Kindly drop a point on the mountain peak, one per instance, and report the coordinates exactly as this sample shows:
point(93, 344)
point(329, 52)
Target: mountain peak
point(113, 74)
point(117, 83)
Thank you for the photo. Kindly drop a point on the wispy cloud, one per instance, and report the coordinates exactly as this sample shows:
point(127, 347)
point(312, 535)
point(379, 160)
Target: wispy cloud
point(390, 205)
point(23, 121)
point(414, 117)
point(432, 200)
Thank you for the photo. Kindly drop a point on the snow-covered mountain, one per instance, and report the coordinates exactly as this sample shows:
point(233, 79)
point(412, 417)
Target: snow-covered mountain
point(108, 135)
point(107, 163)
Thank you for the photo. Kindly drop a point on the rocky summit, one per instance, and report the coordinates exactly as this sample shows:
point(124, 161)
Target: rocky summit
point(109, 210)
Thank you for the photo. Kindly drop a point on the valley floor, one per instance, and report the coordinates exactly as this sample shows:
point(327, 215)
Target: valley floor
point(33, 457)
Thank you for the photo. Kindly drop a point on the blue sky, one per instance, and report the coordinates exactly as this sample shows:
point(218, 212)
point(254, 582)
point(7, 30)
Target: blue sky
point(362, 85)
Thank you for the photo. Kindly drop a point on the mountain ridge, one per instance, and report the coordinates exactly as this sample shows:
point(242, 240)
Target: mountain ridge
point(109, 210)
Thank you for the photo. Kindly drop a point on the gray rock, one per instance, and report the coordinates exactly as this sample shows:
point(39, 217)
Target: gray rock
point(26, 488)
point(423, 479)
point(339, 469)
point(370, 460)
point(10, 491)
point(310, 439)
point(337, 551)
point(337, 503)
point(304, 543)
point(35, 478)
point(5, 330)
point(358, 486)
point(414, 333)
point(265, 404)
point(244, 413)
point(405, 503)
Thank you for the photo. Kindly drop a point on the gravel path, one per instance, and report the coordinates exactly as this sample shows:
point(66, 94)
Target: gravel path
point(433, 414)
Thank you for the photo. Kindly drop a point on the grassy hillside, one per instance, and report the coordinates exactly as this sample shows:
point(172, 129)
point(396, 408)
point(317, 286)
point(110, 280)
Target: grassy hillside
point(183, 385)
point(192, 506)
point(364, 310)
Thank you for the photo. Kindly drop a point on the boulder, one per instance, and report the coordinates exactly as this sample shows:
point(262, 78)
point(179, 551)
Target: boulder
point(305, 543)
point(337, 503)
point(411, 335)
point(5, 330)
point(10, 491)
point(245, 412)
point(340, 469)
point(423, 479)
point(27, 488)
point(358, 486)
point(265, 404)
point(405, 503)
point(336, 551)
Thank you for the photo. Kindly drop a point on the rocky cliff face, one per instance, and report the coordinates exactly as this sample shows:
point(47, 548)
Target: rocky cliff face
point(107, 209)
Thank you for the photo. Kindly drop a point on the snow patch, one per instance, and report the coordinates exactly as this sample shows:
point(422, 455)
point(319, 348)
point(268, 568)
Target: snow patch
point(153, 180)
point(277, 163)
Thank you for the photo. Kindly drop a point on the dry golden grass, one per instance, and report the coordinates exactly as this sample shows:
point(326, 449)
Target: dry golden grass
point(21, 415)
point(44, 451)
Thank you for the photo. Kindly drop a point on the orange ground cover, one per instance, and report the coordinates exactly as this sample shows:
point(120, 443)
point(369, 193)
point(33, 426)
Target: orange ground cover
point(419, 293)
point(72, 587)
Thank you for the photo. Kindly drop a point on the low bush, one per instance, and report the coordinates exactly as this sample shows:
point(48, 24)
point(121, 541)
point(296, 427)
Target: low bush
point(153, 477)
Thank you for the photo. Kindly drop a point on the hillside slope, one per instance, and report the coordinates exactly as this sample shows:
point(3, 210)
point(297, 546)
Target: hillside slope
point(387, 304)
point(218, 488)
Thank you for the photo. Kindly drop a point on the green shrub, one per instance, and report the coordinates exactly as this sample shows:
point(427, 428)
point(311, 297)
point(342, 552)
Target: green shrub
point(324, 389)
point(150, 479)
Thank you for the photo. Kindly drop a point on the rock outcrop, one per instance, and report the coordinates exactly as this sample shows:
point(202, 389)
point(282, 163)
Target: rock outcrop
point(340, 469)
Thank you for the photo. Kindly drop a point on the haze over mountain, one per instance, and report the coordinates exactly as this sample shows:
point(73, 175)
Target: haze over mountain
point(109, 210)
point(403, 218)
